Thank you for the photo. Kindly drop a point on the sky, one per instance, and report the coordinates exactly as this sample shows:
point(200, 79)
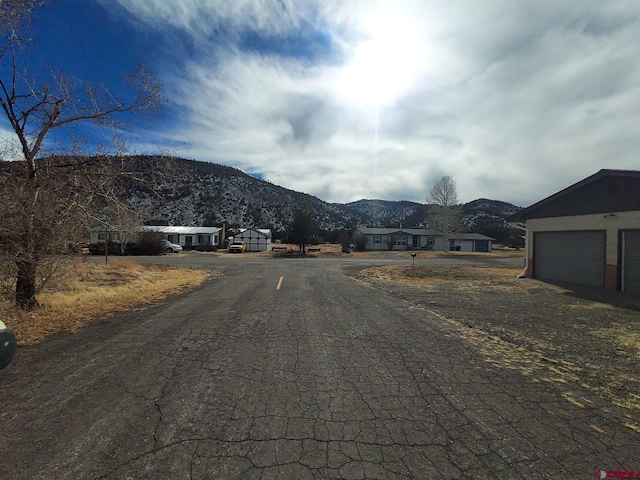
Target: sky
point(352, 99)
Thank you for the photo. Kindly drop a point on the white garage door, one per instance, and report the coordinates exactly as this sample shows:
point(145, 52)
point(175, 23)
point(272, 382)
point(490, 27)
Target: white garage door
point(631, 261)
point(572, 257)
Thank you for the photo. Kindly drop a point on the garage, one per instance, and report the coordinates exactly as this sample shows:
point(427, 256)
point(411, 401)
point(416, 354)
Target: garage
point(631, 261)
point(576, 257)
point(256, 239)
point(482, 246)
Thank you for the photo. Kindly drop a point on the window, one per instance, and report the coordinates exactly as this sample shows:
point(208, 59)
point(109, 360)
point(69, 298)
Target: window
point(172, 238)
point(431, 241)
point(377, 239)
point(400, 240)
point(204, 239)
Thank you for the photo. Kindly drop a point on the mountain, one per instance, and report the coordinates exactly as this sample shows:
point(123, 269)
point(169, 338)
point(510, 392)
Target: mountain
point(202, 193)
point(380, 213)
point(484, 209)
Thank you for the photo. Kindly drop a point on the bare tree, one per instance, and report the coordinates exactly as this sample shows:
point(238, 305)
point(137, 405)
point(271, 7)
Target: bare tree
point(443, 211)
point(15, 16)
point(444, 192)
point(45, 199)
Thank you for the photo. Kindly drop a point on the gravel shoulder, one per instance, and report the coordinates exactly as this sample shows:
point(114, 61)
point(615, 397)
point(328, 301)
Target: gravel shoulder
point(577, 340)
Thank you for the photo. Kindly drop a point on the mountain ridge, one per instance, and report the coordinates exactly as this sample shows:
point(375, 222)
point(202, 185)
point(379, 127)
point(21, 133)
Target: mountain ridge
point(203, 193)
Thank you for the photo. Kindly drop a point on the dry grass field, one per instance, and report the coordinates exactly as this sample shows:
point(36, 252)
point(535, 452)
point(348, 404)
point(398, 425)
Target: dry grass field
point(434, 276)
point(89, 290)
point(574, 339)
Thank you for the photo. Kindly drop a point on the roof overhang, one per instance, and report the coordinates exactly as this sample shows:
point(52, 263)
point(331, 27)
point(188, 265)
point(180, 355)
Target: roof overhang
point(530, 211)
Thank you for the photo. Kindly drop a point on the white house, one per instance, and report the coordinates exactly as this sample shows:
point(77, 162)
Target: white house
point(587, 234)
point(256, 239)
point(421, 238)
point(188, 237)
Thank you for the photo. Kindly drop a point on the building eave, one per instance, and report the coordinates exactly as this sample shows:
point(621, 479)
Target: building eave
point(528, 212)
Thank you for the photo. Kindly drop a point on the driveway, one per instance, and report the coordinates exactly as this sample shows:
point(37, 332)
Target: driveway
point(290, 369)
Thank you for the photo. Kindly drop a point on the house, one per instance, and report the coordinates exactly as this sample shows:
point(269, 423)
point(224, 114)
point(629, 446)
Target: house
point(256, 239)
point(587, 234)
point(420, 238)
point(188, 237)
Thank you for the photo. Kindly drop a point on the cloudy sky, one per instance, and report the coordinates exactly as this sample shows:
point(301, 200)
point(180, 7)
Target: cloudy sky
point(377, 99)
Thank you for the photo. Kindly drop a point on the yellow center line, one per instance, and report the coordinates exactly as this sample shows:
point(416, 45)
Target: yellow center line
point(279, 283)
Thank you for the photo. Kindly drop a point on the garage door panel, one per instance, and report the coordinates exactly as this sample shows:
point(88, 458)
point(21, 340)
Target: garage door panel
point(631, 259)
point(482, 246)
point(572, 257)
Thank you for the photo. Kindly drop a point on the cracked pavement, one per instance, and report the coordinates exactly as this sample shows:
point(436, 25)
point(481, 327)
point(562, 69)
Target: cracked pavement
point(324, 378)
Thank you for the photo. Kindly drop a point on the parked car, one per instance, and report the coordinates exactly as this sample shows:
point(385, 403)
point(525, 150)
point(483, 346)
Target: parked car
point(171, 247)
point(7, 345)
point(237, 247)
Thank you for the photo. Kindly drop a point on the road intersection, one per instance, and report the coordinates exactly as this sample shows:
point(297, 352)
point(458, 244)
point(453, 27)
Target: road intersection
point(288, 369)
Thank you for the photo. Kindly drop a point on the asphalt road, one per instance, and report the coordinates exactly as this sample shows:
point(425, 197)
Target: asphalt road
point(288, 369)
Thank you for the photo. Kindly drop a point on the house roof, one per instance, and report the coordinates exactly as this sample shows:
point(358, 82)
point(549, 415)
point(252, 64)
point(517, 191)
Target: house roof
point(261, 231)
point(469, 236)
point(603, 192)
point(177, 230)
point(392, 231)
point(421, 231)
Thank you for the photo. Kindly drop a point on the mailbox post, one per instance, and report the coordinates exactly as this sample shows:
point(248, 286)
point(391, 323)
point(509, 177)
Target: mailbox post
point(413, 259)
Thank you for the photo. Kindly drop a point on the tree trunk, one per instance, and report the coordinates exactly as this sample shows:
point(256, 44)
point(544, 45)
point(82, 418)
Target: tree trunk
point(26, 283)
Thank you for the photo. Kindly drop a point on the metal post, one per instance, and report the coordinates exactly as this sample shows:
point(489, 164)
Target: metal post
point(106, 249)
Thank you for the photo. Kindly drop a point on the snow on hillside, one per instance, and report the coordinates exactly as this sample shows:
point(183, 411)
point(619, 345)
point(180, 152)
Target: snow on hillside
point(201, 193)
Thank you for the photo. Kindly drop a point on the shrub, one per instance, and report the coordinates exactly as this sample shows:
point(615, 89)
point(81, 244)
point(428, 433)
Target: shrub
point(149, 243)
point(315, 240)
point(360, 242)
point(345, 242)
point(389, 242)
point(98, 248)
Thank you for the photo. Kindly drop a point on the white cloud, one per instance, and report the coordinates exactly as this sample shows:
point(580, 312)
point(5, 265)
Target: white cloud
point(9, 145)
point(515, 100)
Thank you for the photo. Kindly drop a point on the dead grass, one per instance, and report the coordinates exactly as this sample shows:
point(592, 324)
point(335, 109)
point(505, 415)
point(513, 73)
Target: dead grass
point(626, 336)
point(505, 253)
point(543, 331)
point(93, 290)
point(431, 277)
